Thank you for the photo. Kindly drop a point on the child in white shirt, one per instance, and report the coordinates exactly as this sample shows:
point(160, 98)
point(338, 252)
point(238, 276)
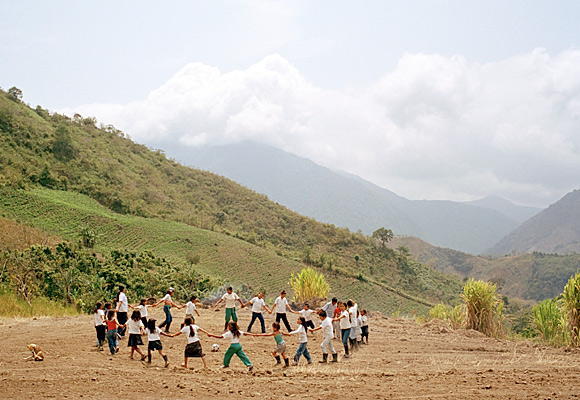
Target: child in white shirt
point(303, 339)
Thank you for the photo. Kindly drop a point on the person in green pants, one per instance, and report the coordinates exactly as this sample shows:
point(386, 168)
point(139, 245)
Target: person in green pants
point(230, 299)
point(234, 334)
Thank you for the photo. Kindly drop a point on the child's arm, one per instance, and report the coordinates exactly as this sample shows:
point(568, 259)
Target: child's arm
point(241, 302)
point(202, 330)
point(214, 336)
point(266, 308)
point(293, 312)
point(165, 334)
point(176, 334)
point(315, 329)
point(260, 334)
point(197, 312)
point(134, 308)
point(218, 302)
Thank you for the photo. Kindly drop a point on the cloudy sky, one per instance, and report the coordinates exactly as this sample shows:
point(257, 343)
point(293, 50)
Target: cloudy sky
point(430, 99)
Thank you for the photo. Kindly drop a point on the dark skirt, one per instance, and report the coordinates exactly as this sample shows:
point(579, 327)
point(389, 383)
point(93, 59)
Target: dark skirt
point(154, 345)
point(194, 350)
point(134, 340)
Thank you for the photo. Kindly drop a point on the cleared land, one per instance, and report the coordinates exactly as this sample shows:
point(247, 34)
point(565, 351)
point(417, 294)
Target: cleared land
point(405, 360)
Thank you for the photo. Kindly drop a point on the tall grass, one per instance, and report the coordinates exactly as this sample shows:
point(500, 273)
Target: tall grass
point(308, 284)
point(570, 303)
point(549, 322)
point(484, 309)
point(11, 307)
point(454, 316)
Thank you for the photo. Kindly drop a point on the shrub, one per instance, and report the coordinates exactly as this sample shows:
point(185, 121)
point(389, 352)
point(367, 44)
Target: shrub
point(570, 303)
point(308, 284)
point(484, 309)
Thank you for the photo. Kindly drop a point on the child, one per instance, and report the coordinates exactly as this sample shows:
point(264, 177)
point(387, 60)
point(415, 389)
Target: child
point(365, 326)
point(167, 303)
point(100, 325)
point(136, 328)
point(234, 334)
point(352, 310)
point(328, 335)
point(307, 314)
point(345, 326)
point(154, 340)
point(303, 339)
point(142, 307)
point(280, 344)
point(230, 299)
point(193, 348)
point(190, 308)
point(358, 329)
point(112, 326)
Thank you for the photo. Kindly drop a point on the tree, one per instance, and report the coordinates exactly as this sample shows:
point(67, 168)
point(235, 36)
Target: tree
point(62, 147)
point(383, 236)
point(15, 93)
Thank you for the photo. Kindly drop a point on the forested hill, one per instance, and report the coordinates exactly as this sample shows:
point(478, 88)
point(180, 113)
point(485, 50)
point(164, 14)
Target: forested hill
point(39, 148)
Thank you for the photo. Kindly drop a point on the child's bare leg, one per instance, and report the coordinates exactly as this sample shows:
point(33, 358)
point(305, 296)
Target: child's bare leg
point(132, 352)
point(184, 363)
point(204, 363)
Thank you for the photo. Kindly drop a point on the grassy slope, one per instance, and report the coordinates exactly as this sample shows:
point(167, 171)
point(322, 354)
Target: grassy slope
point(234, 260)
point(137, 182)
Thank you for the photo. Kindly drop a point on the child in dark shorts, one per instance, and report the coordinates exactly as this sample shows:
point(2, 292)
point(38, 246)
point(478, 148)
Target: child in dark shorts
point(153, 336)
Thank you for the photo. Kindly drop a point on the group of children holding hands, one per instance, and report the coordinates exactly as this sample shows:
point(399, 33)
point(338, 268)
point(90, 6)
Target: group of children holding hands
point(353, 327)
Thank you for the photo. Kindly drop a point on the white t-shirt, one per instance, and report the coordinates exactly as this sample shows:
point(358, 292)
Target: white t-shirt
point(143, 311)
point(190, 308)
point(280, 304)
point(230, 299)
point(151, 336)
point(307, 314)
point(99, 318)
point(135, 326)
point(344, 322)
point(327, 330)
point(233, 339)
point(257, 304)
point(364, 320)
point(186, 331)
point(302, 338)
point(167, 299)
point(353, 318)
point(123, 305)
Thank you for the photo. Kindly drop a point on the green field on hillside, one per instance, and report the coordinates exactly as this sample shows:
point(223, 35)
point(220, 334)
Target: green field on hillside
point(235, 261)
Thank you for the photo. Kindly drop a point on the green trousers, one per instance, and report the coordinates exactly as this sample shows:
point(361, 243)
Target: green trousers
point(236, 348)
point(231, 314)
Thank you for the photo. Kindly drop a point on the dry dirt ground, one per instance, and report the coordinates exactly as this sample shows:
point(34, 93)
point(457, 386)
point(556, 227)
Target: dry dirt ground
point(404, 360)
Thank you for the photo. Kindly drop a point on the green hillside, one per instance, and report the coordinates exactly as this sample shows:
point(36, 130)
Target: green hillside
point(533, 276)
point(61, 175)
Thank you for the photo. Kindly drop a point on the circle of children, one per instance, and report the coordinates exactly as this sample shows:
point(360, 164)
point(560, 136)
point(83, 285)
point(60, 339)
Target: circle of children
point(338, 320)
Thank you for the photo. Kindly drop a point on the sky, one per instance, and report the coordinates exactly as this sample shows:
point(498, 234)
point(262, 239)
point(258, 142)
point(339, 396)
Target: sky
point(452, 100)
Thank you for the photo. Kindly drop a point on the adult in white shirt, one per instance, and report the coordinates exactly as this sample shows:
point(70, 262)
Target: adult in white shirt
point(258, 304)
point(230, 298)
point(280, 306)
point(328, 335)
point(122, 309)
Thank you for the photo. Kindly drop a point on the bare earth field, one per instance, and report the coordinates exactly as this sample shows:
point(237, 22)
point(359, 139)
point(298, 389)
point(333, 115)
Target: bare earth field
point(404, 360)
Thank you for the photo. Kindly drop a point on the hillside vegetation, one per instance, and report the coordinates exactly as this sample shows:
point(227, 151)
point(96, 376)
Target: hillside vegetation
point(533, 276)
point(63, 176)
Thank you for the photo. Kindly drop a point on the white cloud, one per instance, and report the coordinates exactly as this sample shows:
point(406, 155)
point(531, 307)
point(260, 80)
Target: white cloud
point(434, 127)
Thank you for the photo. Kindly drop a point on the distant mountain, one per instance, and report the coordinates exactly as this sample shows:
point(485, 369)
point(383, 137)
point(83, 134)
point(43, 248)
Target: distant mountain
point(350, 201)
point(506, 207)
point(554, 230)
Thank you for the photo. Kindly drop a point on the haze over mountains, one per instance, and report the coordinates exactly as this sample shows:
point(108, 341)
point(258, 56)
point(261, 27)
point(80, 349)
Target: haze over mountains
point(350, 201)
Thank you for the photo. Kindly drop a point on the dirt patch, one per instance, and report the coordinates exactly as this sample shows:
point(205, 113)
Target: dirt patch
point(403, 361)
